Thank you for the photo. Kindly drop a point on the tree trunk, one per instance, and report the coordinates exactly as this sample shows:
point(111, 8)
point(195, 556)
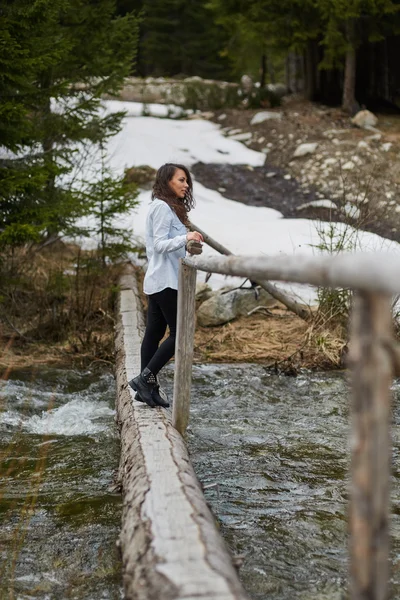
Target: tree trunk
point(310, 70)
point(349, 103)
point(263, 70)
point(170, 545)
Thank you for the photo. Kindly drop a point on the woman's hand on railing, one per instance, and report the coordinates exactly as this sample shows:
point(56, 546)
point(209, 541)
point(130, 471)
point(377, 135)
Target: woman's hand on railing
point(194, 244)
point(195, 236)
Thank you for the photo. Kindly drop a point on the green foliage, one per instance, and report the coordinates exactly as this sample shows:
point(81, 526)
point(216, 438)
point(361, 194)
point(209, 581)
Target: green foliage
point(57, 57)
point(200, 95)
point(264, 28)
point(179, 37)
point(346, 24)
point(106, 200)
point(334, 304)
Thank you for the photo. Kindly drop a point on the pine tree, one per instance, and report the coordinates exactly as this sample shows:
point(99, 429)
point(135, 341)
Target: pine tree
point(261, 30)
point(346, 24)
point(181, 37)
point(57, 58)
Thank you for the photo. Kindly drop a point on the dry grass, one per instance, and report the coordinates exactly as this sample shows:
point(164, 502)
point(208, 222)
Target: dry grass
point(281, 340)
point(57, 308)
point(37, 332)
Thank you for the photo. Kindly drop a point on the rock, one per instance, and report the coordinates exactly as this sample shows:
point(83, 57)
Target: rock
point(279, 89)
point(224, 307)
point(143, 176)
point(287, 177)
point(246, 84)
point(363, 145)
point(245, 300)
point(386, 147)
point(304, 149)
point(203, 291)
point(374, 138)
point(234, 132)
point(193, 78)
point(332, 132)
point(217, 310)
point(351, 211)
point(323, 203)
point(241, 137)
point(364, 119)
point(197, 116)
point(208, 115)
point(329, 161)
point(265, 115)
point(222, 117)
point(348, 166)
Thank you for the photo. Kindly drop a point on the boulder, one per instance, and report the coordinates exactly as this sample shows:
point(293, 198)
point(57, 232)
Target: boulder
point(203, 292)
point(224, 307)
point(143, 176)
point(304, 149)
point(217, 310)
point(246, 84)
point(279, 89)
point(265, 115)
point(364, 119)
point(245, 300)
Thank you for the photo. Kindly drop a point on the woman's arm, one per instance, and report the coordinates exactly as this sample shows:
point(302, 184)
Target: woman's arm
point(162, 221)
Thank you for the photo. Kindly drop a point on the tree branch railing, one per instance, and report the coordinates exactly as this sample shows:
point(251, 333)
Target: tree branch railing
point(373, 358)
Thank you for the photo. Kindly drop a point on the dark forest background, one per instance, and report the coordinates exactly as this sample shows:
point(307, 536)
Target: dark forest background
point(58, 58)
point(335, 51)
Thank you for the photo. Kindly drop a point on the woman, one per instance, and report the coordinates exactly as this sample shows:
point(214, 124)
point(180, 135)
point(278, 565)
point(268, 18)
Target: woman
point(166, 239)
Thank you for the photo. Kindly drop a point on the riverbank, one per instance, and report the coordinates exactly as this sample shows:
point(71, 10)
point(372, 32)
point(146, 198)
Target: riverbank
point(40, 336)
point(63, 314)
point(347, 174)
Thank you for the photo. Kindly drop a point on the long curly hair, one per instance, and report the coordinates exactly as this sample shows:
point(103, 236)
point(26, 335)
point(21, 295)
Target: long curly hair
point(163, 191)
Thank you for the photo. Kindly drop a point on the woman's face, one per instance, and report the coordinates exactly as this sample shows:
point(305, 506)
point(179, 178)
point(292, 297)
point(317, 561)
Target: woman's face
point(179, 184)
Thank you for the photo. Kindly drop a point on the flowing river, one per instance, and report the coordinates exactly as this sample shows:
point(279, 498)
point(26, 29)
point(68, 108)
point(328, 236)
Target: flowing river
point(271, 452)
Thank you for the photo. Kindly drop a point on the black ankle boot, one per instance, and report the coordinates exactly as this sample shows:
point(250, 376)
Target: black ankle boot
point(158, 399)
point(156, 396)
point(144, 384)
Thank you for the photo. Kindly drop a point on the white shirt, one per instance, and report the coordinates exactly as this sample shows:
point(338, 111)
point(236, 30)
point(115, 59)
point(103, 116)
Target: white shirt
point(165, 245)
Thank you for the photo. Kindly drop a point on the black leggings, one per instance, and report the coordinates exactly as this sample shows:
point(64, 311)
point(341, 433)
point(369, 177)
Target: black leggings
point(161, 312)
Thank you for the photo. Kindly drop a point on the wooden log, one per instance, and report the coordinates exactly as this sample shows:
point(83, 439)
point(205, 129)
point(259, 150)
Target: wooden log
point(371, 446)
point(378, 272)
point(300, 310)
point(171, 548)
point(186, 321)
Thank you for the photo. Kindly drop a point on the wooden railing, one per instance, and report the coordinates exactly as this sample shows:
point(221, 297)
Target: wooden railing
point(373, 359)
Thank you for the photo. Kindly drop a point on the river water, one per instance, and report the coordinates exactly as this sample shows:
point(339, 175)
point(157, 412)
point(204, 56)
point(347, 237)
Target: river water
point(59, 521)
point(271, 452)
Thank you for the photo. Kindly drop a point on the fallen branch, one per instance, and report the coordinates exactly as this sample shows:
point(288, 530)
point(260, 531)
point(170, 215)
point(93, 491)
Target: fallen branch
point(301, 310)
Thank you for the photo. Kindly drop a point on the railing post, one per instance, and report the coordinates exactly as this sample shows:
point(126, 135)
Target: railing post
point(184, 347)
point(370, 446)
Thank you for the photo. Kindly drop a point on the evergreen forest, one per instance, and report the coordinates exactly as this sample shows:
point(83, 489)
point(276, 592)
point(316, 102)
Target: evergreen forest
point(58, 58)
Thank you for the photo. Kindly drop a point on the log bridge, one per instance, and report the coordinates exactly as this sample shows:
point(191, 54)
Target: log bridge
point(170, 545)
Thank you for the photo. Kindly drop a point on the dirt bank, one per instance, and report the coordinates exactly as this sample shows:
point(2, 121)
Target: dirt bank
point(355, 171)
